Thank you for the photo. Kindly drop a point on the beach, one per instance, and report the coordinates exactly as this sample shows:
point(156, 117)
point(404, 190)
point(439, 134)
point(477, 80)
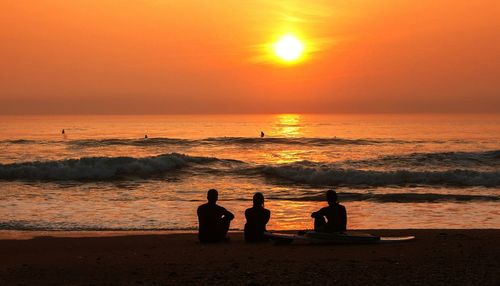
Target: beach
point(435, 257)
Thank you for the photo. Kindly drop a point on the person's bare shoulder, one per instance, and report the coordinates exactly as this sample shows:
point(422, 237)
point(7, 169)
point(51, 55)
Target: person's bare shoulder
point(201, 207)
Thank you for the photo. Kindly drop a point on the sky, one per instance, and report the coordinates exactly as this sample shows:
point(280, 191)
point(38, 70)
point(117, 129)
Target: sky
point(169, 57)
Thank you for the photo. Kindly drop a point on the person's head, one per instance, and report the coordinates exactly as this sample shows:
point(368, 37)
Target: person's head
point(212, 196)
point(258, 200)
point(331, 197)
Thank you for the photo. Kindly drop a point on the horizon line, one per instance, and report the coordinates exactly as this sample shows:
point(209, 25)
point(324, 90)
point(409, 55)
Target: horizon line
point(253, 113)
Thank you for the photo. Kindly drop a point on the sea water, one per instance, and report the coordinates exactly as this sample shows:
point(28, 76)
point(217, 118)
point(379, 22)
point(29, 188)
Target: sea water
point(391, 171)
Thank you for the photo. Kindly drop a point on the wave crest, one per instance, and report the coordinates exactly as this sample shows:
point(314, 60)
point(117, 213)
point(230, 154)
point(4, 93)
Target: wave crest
point(160, 141)
point(445, 159)
point(100, 168)
point(305, 172)
point(324, 176)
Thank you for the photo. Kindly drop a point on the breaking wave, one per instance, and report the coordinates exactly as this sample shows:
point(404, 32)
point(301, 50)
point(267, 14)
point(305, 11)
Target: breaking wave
point(305, 172)
point(445, 159)
point(101, 168)
point(353, 177)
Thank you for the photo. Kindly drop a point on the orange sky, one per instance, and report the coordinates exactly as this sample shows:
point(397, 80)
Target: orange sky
point(158, 56)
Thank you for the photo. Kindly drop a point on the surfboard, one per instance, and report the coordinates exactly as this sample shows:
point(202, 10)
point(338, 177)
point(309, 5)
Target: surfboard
point(389, 239)
point(347, 237)
point(280, 238)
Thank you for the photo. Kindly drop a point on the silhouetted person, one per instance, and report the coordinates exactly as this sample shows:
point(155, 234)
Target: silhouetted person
point(146, 136)
point(214, 220)
point(257, 218)
point(335, 214)
point(62, 132)
point(261, 134)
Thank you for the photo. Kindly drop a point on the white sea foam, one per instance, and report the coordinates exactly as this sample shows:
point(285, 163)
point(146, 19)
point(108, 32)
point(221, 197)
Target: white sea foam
point(99, 168)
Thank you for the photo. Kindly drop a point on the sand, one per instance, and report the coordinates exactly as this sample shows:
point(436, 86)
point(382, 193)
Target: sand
point(436, 257)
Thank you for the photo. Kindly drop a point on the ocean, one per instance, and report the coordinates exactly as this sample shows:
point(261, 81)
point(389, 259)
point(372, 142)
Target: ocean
point(391, 171)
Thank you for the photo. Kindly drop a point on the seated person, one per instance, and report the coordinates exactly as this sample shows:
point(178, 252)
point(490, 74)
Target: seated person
point(213, 219)
point(257, 218)
point(335, 214)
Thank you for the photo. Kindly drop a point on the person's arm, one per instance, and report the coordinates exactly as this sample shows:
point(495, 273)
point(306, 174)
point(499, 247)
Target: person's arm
point(227, 214)
point(267, 216)
point(317, 214)
point(344, 218)
point(246, 214)
point(200, 217)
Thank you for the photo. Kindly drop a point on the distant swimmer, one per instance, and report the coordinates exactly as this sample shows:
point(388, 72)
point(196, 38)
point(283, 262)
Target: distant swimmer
point(146, 136)
point(261, 134)
point(63, 132)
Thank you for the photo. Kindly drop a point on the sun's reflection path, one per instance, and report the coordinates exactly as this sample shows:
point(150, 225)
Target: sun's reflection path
point(285, 156)
point(288, 125)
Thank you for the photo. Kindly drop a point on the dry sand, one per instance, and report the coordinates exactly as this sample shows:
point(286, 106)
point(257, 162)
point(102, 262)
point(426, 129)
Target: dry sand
point(436, 257)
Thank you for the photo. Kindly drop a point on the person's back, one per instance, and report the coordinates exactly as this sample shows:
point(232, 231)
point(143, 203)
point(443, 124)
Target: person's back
point(213, 219)
point(336, 217)
point(257, 217)
point(335, 214)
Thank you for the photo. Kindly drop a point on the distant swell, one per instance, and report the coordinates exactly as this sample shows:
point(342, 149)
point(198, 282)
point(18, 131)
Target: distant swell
point(398, 198)
point(352, 177)
point(294, 141)
point(209, 141)
point(129, 142)
point(100, 168)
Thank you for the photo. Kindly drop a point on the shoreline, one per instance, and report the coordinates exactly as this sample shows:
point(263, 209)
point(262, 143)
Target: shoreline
point(34, 234)
point(435, 257)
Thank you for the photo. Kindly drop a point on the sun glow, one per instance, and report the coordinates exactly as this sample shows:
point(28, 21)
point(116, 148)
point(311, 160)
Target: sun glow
point(288, 48)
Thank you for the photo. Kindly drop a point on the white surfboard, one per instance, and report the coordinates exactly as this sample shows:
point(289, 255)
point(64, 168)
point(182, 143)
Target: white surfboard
point(389, 239)
point(347, 237)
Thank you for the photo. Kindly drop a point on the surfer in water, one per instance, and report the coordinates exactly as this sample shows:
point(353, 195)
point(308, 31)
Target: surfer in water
point(213, 219)
point(335, 215)
point(257, 218)
point(262, 134)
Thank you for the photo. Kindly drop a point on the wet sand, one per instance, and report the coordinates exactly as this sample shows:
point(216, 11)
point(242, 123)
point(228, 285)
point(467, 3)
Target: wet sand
point(436, 257)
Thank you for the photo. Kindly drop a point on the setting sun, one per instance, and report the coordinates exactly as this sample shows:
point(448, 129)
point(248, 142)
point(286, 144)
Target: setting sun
point(288, 48)
point(174, 142)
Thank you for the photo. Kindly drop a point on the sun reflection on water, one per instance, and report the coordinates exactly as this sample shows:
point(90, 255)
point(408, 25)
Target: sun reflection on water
point(289, 125)
point(286, 156)
point(286, 126)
